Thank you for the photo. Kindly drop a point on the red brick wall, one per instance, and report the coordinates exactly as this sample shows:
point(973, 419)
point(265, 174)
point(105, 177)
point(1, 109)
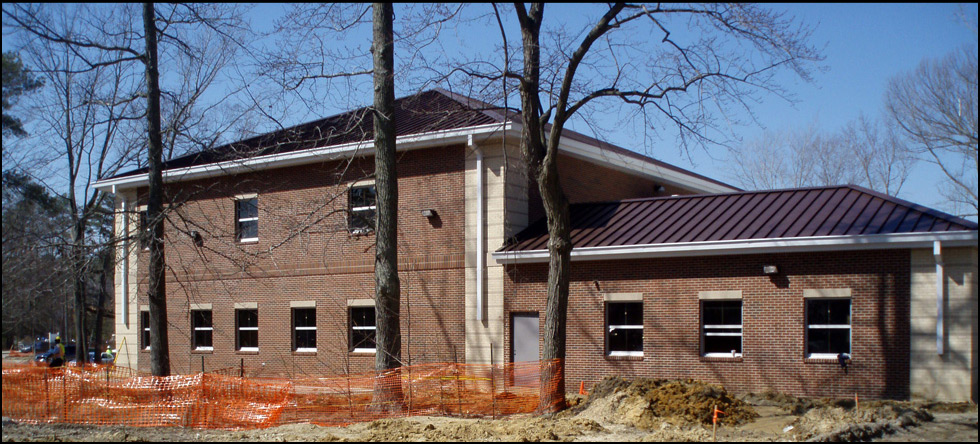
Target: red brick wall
point(584, 181)
point(772, 320)
point(305, 253)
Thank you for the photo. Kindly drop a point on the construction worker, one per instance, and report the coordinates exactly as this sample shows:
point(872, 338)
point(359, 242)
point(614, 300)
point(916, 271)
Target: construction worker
point(58, 358)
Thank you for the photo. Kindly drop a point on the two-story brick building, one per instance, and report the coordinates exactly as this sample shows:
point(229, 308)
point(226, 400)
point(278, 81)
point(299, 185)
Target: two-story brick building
point(270, 262)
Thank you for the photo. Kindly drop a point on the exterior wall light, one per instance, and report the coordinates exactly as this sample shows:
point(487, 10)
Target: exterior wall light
point(197, 238)
point(428, 212)
point(770, 269)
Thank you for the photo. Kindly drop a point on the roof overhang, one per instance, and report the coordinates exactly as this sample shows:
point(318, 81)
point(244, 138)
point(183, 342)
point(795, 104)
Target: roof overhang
point(663, 175)
point(333, 152)
point(575, 148)
point(752, 246)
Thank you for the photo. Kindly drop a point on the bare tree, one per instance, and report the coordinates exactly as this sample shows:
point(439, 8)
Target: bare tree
point(112, 40)
point(88, 110)
point(387, 299)
point(883, 157)
point(936, 108)
point(674, 77)
point(864, 152)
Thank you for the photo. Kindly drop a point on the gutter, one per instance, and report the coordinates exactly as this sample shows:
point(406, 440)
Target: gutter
point(937, 253)
point(751, 246)
point(403, 143)
point(568, 146)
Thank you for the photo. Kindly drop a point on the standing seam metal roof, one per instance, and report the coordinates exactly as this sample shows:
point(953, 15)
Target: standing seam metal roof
point(791, 213)
point(428, 111)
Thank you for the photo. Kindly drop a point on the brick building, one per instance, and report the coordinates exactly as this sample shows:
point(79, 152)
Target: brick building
point(270, 263)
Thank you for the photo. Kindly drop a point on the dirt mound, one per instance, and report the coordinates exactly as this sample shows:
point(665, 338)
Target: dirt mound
point(517, 429)
point(829, 419)
point(790, 403)
point(649, 403)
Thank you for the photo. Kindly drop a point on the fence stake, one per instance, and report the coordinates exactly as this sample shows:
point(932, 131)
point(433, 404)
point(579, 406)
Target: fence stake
point(493, 387)
point(459, 402)
point(47, 396)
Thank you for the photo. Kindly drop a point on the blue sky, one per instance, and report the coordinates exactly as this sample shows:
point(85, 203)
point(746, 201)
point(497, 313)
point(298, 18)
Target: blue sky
point(864, 46)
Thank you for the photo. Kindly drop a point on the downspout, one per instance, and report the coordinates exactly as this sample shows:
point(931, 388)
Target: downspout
point(937, 254)
point(480, 254)
point(125, 262)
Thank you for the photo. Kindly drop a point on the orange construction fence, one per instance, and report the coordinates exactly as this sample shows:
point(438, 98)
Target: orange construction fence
point(108, 395)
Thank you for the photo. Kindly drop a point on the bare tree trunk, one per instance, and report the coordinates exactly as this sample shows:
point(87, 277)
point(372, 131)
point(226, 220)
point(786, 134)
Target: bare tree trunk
point(100, 309)
point(78, 287)
point(159, 344)
point(388, 390)
point(541, 158)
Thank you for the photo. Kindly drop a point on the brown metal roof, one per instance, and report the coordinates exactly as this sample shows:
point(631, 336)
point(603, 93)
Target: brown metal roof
point(432, 110)
point(792, 213)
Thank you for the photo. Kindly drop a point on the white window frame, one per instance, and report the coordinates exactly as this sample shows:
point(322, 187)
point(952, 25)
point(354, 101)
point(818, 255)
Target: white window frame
point(850, 331)
point(194, 330)
point(353, 305)
point(241, 329)
point(353, 209)
point(238, 221)
point(146, 328)
point(296, 328)
point(611, 328)
point(705, 327)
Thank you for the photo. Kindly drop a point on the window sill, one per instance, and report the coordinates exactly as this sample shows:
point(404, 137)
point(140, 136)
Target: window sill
point(721, 358)
point(304, 352)
point(825, 360)
point(203, 351)
point(363, 352)
point(251, 240)
point(247, 352)
point(624, 357)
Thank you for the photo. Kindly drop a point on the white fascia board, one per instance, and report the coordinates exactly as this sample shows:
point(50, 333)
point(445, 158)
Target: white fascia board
point(363, 148)
point(751, 246)
point(665, 176)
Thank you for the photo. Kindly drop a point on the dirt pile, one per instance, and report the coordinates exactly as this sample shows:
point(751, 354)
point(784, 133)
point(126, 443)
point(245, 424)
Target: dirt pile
point(830, 418)
point(649, 403)
point(521, 430)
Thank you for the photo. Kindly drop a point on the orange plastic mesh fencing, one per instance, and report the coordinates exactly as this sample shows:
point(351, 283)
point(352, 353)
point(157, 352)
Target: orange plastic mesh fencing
point(108, 395)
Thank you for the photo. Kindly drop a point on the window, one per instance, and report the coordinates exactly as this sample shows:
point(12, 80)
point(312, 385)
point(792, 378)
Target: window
point(145, 330)
point(201, 330)
point(363, 204)
point(721, 328)
point(247, 219)
point(828, 327)
point(624, 328)
point(247, 326)
point(362, 330)
point(304, 329)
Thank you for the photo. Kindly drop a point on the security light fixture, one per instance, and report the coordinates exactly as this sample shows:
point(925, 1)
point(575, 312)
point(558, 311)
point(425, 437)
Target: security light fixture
point(770, 269)
point(429, 212)
point(197, 238)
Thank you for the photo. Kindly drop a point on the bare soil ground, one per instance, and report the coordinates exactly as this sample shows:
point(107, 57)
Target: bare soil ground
point(616, 410)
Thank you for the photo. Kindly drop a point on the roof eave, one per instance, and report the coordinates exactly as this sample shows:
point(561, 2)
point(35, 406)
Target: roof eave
point(751, 246)
point(575, 148)
point(362, 148)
